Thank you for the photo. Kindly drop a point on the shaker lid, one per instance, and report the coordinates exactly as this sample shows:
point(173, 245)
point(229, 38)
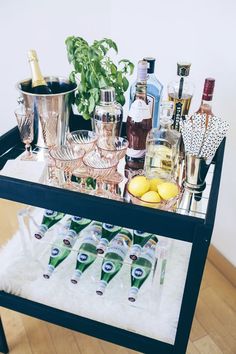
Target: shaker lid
point(151, 64)
point(107, 95)
point(183, 68)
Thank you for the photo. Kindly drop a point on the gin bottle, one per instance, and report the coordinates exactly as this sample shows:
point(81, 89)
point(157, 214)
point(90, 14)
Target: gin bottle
point(140, 238)
point(180, 91)
point(141, 267)
point(76, 226)
point(87, 251)
point(162, 146)
point(108, 233)
point(59, 252)
point(114, 258)
point(50, 218)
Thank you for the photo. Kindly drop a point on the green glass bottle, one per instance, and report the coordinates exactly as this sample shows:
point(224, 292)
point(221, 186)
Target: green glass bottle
point(59, 252)
point(108, 233)
point(87, 251)
point(76, 226)
point(141, 267)
point(139, 240)
point(50, 218)
point(114, 258)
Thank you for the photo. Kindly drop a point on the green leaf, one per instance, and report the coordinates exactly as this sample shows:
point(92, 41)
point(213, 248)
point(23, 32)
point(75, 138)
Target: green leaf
point(119, 78)
point(125, 84)
point(113, 69)
point(102, 82)
point(121, 99)
point(91, 104)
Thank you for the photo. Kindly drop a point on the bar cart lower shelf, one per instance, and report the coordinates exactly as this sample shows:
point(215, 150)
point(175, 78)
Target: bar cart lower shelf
point(194, 232)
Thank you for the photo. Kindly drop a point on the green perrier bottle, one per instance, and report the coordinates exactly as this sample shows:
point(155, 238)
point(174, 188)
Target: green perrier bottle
point(77, 224)
point(87, 251)
point(139, 240)
point(108, 233)
point(59, 252)
point(114, 258)
point(50, 218)
point(141, 267)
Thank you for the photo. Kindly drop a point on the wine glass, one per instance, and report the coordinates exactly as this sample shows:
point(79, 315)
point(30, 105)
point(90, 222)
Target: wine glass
point(113, 181)
point(112, 147)
point(49, 123)
point(67, 159)
point(99, 168)
point(25, 122)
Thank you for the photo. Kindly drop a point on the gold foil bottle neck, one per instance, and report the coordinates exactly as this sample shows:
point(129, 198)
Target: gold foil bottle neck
point(32, 55)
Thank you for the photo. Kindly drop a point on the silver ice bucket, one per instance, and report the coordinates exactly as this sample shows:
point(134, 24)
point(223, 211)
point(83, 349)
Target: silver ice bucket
point(59, 102)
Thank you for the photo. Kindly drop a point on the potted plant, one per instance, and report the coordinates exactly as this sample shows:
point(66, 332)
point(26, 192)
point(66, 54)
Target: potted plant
point(93, 69)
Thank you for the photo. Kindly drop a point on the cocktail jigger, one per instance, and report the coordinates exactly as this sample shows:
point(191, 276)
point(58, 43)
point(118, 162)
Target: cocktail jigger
point(196, 171)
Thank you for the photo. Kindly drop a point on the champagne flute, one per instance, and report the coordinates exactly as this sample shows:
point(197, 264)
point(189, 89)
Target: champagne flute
point(25, 122)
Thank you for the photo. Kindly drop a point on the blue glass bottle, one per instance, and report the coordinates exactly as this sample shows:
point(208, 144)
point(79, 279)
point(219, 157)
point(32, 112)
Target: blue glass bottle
point(154, 91)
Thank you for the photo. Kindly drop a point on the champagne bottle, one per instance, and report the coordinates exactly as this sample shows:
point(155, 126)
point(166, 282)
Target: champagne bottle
point(39, 85)
point(114, 258)
point(87, 251)
point(141, 267)
point(50, 218)
point(77, 224)
point(108, 233)
point(139, 240)
point(59, 252)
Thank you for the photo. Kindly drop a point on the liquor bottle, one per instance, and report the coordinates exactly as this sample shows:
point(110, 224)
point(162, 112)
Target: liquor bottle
point(139, 121)
point(206, 107)
point(39, 85)
point(108, 233)
point(50, 218)
point(141, 267)
point(154, 91)
point(140, 238)
point(162, 146)
point(87, 251)
point(59, 252)
point(180, 91)
point(114, 258)
point(77, 224)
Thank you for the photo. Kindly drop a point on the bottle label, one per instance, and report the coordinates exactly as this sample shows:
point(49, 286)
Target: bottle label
point(110, 228)
point(139, 111)
point(108, 267)
point(55, 252)
point(91, 239)
point(136, 154)
point(177, 115)
point(50, 213)
point(141, 233)
point(148, 254)
point(151, 103)
point(83, 258)
point(71, 234)
point(76, 218)
point(120, 248)
point(80, 220)
point(138, 273)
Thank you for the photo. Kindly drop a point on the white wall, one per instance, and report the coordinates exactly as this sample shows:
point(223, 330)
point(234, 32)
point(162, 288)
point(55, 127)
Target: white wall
point(201, 31)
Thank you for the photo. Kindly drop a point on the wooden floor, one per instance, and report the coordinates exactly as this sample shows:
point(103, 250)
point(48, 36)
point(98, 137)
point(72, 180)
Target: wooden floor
point(213, 330)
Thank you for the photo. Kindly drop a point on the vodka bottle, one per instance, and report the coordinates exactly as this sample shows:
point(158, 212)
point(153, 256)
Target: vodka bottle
point(87, 251)
point(76, 226)
point(114, 258)
point(139, 240)
point(141, 267)
point(108, 233)
point(50, 218)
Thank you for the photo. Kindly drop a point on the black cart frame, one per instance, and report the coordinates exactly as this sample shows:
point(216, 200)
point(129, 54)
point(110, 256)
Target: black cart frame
point(186, 228)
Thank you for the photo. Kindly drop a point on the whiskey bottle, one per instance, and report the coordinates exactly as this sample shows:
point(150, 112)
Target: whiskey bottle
point(141, 267)
point(206, 103)
point(50, 218)
point(108, 233)
point(180, 91)
point(39, 85)
point(87, 251)
point(59, 252)
point(140, 238)
point(77, 224)
point(139, 121)
point(114, 258)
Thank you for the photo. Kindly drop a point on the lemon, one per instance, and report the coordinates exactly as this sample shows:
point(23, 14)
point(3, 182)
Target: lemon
point(139, 185)
point(167, 190)
point(151, 197)
point(154, 182)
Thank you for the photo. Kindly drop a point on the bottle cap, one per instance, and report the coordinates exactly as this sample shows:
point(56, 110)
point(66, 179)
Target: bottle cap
point(49, 272)
point(151, 64)
point(142, 70)
point(208, 89)
point(133, 294)
point(41, 232)
point(101, 247)
point(135, 252)
point(107, 95)
point(183, 68)
point(76, 276)
point(32, 55)
point(101, 287)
